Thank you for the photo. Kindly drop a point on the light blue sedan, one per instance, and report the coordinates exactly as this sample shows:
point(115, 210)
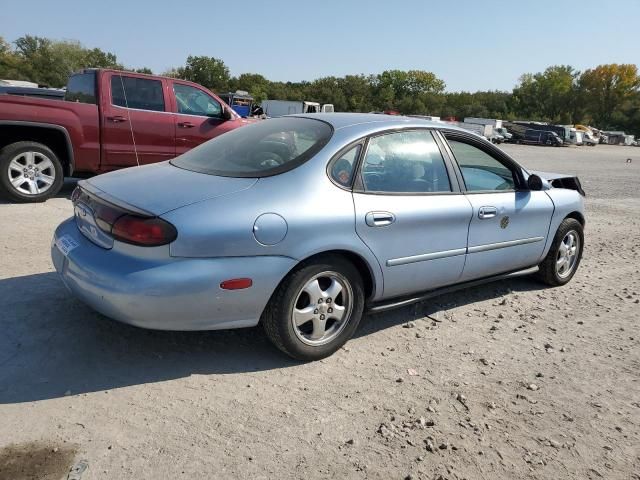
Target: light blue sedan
point(303, 223)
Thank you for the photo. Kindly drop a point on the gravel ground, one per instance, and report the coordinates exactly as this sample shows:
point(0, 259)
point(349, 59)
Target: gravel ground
point(509, 380)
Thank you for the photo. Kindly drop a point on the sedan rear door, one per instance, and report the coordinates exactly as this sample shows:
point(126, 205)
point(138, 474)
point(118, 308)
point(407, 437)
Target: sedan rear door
point(410, 212)
point(137, 126)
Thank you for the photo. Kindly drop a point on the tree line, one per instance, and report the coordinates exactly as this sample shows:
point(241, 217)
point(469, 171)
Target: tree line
point(606, 96)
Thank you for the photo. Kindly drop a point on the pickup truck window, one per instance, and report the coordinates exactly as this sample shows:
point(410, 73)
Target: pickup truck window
point(193, 101)
point(81, 88)
point(139, 93)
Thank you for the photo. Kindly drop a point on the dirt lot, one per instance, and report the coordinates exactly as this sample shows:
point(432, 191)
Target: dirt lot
point(510, 380)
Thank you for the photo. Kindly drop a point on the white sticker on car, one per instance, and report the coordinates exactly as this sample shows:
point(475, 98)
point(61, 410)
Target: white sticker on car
point(65, 244)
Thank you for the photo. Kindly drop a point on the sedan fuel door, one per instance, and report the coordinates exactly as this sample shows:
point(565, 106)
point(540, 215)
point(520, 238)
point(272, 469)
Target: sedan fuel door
point(510, 223)
point(410, 212)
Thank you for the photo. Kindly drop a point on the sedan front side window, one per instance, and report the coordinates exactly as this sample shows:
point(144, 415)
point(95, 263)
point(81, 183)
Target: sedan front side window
point(481, 172)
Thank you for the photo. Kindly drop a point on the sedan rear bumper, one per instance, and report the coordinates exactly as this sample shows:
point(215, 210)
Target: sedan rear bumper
point(163, 292)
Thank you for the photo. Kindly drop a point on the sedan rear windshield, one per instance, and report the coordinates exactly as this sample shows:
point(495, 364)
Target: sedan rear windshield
point(262, 149)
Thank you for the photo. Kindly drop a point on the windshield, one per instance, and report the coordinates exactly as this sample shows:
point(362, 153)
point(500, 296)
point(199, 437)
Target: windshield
point(265, 148)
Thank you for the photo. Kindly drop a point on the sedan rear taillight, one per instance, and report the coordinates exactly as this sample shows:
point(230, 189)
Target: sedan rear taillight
point(148, 232)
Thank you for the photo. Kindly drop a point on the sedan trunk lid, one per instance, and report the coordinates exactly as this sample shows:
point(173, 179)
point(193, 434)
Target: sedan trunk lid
point(161, 187)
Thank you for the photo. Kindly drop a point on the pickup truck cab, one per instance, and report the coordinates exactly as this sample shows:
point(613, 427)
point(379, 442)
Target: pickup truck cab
point(109, 119)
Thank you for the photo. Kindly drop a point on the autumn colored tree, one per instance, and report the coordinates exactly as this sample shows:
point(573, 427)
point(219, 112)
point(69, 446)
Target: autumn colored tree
point(607, 88)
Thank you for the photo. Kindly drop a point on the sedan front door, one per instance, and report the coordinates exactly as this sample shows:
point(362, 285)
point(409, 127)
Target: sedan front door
point(411, 213)
point(510, 223)
point(199, 117)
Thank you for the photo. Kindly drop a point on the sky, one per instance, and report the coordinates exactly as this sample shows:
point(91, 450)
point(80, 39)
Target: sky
point(471, 45)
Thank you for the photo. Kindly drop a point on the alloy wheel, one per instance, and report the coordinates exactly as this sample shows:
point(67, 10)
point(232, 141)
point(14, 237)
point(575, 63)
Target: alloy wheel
point(31, 173)
point(322, 308)
point(567, 256)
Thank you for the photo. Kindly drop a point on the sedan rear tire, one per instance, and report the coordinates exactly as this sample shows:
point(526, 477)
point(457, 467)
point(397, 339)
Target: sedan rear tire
point(315, 309)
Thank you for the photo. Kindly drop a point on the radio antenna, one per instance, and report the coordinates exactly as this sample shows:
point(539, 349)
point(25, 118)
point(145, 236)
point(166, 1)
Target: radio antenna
point(133, 137)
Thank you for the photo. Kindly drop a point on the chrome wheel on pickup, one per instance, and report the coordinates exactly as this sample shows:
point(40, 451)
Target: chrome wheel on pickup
point(29, 172)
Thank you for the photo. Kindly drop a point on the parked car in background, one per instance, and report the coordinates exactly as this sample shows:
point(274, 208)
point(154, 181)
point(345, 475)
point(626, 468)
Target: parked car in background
point(109, 119)
point(252, 227)
point(589, 139)
point(541, 137)
point(504, 133)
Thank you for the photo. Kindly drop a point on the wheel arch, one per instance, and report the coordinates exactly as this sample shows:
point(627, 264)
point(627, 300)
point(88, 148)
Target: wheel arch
point(577, 216)
point(55, 137)
point(364, 268)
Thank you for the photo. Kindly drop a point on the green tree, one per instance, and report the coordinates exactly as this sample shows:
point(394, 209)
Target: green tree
point(547, 95)
point(50, 62)
point(254, 83)
point(10, 64)
point(606, 88)
point(209, 72)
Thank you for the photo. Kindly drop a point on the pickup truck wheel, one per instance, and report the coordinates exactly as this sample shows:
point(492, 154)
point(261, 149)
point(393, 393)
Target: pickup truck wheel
point(29, 172)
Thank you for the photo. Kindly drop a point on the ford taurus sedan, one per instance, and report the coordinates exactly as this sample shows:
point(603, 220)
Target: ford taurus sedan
point(304, 223)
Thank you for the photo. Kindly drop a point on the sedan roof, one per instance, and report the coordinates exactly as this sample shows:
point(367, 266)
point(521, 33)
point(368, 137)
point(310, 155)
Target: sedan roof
point(342, 120)
point(374, 121)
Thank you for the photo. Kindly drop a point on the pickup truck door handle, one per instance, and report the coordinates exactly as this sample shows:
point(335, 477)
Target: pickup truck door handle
point(379, 219)
point(487, 212)
point(117, 119)
point(186, 125)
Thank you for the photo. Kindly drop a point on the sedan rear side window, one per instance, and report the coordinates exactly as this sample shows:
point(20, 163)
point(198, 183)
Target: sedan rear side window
point(481, 172)
point(265, 148)
point(408, 162)
point(138, 93)
point(342, 169)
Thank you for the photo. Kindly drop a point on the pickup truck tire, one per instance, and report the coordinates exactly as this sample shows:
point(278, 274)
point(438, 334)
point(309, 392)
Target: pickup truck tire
point(29, 172)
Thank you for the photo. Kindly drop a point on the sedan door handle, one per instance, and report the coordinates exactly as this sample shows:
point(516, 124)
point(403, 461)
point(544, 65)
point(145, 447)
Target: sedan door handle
point(186, 125)
point(487, 212)
point(117, 119)
point(379, 219)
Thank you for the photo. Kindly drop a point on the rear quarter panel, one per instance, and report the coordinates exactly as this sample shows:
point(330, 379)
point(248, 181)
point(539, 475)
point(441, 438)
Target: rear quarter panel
point(319, 217)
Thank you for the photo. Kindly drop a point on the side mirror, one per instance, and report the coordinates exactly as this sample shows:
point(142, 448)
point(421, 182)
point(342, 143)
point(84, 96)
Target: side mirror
point(534, 182)
point(226, 114)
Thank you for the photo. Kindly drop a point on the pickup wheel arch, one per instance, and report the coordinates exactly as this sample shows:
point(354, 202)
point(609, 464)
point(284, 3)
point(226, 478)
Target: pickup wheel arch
point(55, 137)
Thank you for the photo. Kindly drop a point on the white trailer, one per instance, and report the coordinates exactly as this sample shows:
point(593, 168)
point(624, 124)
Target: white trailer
point(483, 130)
point(278, 108)
point(494, 122)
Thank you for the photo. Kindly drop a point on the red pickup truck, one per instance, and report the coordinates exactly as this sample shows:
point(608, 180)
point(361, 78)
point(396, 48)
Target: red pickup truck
point(108, 119)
